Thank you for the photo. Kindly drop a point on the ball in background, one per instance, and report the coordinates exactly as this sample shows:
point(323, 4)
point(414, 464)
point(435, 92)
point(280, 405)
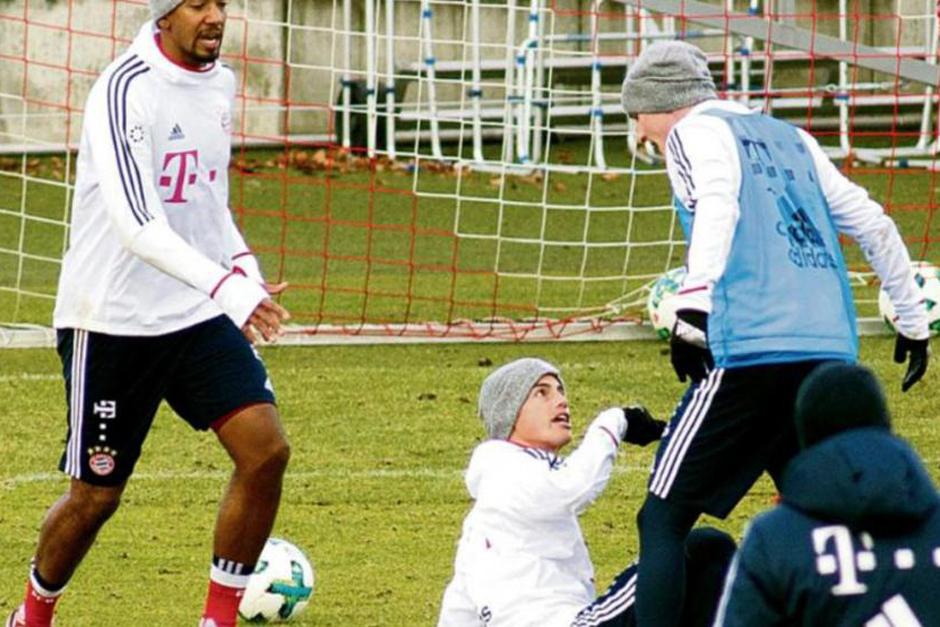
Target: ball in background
point(660, 304)
point(927, 277)
point(281, 586)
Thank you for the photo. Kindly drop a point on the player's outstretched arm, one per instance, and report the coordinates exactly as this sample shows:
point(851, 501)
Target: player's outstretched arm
point(916, 353)
point(584, 474)
point(864, 220)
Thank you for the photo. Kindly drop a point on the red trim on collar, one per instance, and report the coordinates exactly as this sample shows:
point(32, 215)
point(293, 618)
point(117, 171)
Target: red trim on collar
point(189, 68)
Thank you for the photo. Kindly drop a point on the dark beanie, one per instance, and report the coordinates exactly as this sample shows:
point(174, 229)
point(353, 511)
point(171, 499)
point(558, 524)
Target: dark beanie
point(835, 397)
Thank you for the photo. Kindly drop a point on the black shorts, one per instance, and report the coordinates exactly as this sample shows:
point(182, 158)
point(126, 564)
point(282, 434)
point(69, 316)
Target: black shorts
point(708, 554)
point(728, 429)
point(614, 608)
point(114, 385)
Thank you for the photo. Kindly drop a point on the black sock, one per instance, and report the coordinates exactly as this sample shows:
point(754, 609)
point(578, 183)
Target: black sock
point(232, 567)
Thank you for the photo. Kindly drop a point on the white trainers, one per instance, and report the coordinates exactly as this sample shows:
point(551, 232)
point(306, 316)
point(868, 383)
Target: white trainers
point(207, 622)
point(17, 618)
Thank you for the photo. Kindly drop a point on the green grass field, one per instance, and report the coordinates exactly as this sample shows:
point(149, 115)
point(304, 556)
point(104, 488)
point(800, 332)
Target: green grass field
point(373, 493)
point(380, 434)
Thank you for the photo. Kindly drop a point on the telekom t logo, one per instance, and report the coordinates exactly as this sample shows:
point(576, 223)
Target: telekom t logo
point(182, 175)
point(836, 555)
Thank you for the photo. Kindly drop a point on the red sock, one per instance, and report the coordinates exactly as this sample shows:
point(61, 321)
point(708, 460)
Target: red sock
point(222, 604)
point(39, 606)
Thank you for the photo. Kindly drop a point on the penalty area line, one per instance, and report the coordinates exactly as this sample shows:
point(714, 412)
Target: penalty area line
point(440, 474)
point(29, 376)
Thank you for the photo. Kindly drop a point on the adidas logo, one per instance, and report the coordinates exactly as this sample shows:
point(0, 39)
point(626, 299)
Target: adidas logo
point(176, 133)
point(895, 612)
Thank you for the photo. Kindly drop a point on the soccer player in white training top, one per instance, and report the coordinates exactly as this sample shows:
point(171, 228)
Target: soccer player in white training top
point(158, 299)
point(767, 298)
point(522, 559)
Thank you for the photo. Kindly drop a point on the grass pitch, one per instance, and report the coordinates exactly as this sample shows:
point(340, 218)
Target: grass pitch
point(374, 494)
point(380, 434)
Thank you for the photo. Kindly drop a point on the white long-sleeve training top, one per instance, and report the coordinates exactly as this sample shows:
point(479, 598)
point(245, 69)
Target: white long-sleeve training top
point(153, 247)
point(706, 176)
point(521, 559)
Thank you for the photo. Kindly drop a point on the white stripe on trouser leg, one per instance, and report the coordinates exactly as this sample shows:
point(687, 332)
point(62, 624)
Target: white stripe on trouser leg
point(77, 409)
point(689, 425)
point(73, 450)
point(675, 438)
point(692, 423)
point(612, 606)
point(687, 440)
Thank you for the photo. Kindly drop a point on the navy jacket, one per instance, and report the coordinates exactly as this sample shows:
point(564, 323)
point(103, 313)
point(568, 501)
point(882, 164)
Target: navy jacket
point(855, 541)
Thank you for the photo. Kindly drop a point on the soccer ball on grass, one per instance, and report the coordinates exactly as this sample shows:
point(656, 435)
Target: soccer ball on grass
point(281, 585)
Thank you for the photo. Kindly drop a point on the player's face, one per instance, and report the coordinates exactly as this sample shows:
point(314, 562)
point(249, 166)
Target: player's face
point(544, 421)
point(653, 127)
point(192, 33)
point(656, 127)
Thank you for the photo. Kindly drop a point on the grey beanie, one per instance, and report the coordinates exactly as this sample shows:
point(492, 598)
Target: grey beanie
point(667, 76)
point(505, 390)
point(836, 397)
point(159, 8)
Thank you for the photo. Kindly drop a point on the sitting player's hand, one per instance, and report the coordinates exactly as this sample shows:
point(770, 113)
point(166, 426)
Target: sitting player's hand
point(642, 427)
point(688, 345)
point(919, 352)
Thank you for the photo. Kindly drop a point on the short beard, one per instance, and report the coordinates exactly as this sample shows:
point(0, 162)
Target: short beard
point(210, 57)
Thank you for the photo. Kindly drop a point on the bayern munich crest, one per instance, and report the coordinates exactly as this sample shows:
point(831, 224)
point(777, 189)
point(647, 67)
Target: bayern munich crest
point(101, 460)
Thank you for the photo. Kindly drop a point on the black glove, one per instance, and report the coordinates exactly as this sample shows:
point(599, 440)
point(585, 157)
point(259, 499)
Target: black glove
point(688, 345)
point(917, 366)
point(642, 428)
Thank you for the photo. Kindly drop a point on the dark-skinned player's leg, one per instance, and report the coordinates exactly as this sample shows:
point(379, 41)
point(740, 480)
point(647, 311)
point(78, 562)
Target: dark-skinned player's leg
point(256, 443)
point(258, 447)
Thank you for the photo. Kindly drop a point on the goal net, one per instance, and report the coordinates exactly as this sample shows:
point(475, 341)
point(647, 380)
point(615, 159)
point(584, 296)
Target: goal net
point(461, 168)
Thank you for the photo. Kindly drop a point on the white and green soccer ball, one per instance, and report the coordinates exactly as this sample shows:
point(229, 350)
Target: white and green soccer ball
point(927, 277)
point(281, 585)
point(661, 305)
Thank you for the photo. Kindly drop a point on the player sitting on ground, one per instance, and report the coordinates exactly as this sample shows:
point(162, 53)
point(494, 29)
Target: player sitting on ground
point(856, 538)
point(521, 558)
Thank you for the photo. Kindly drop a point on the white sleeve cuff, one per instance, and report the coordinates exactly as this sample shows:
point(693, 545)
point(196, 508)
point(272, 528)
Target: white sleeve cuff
point(613, 422)
point(238, 296)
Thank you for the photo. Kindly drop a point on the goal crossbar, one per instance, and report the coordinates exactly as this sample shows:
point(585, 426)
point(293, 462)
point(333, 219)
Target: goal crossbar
point(782, 34)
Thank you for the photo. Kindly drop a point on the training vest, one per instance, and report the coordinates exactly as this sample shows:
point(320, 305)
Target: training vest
point(784, 295)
